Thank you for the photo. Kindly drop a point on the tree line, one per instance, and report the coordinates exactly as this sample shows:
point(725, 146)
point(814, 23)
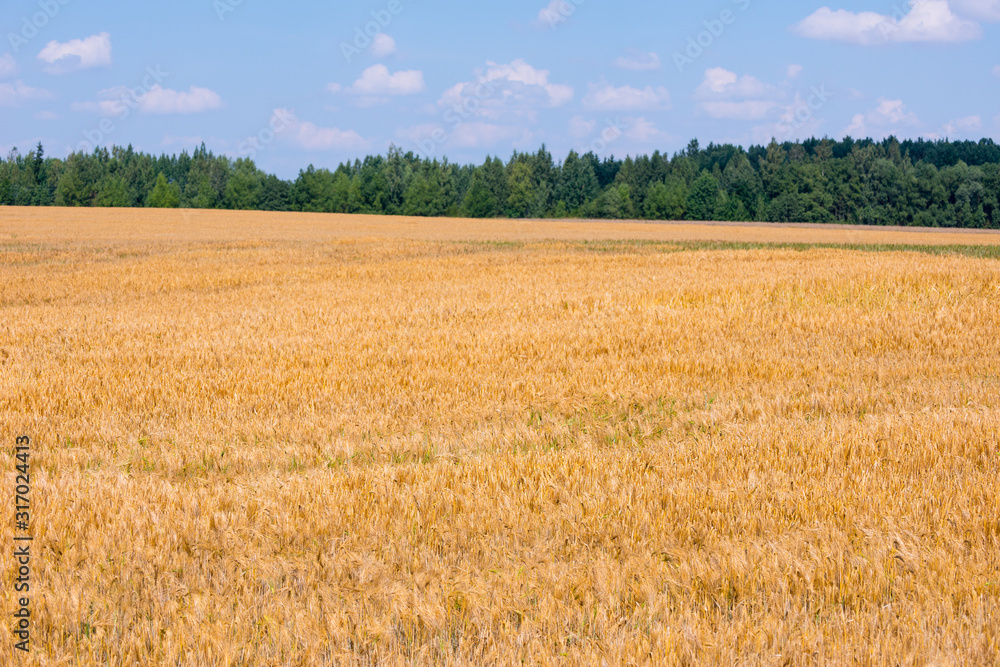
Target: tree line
point(892, 182)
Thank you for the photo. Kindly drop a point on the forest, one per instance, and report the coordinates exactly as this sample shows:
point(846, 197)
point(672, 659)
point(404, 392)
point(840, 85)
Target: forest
point(890, 182)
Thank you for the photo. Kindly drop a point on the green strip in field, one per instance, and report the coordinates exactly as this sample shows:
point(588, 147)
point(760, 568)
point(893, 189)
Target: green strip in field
point(647, 246)
point(978, 251)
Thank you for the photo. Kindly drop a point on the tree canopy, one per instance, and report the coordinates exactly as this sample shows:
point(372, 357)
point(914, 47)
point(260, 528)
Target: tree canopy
point(925, 183)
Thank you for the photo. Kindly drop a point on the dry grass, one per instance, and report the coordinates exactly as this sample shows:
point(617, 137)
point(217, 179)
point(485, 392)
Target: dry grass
point(331, 440)
point(92, 225)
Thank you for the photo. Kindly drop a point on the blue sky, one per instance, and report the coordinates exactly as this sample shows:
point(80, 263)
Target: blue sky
point(297, 83)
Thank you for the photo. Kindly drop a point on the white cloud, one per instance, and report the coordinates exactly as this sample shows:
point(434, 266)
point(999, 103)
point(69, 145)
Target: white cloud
point(894, 111)
point(77, 54)
point(958, 126)
point(377, 82)
point(556, 12)
point(520, 72)
point(717, 80)
point(626, 98)
point(624, 135)
point(881, 120)
point(845, 26)
point(12, 94)
point(312, 137)
point(111, 102)
point(793, 71)
point(796, 120)
point(549, 14)
point(927, 21)
point(46, 115)
point(159, 100)
point(996, 71)
point(8, 66)
point(580, 127)
point(383, 45)
point(720, 82)
point(858, 127)
point(724, 95)
point(638, 61)
point(986, 10)
point(643, 131)
point(516, 89)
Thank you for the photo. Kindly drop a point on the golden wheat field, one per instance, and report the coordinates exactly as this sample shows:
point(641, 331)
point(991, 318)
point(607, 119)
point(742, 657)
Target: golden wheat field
point(277, 439)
